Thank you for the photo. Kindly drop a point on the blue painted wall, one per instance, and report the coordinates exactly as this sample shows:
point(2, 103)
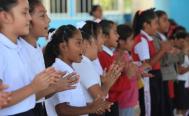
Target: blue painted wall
point(176, 9)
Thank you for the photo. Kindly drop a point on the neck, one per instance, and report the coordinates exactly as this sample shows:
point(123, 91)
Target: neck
point(88, 56)
point(66, 60)
point(11, 36)
point(108, 46)
point(31, 40)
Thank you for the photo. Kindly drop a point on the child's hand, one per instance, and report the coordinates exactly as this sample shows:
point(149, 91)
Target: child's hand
point(166, 46)
point(132, 70)
point(4, 96)
point(99, 106)
point(109, 77)
point(44, 79)
point(66, 83)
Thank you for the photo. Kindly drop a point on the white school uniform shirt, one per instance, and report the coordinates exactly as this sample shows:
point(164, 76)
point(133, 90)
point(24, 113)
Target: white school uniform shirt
point(14, 72)
point(88, 76)
point(162, 36)
point(142, 48)
point(34, 59)
point(185, 76)
point(98, 67)
point(74, 97)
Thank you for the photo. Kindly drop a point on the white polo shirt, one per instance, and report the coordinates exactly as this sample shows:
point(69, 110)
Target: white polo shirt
point(185, 76)
point(98, 67)
point(88, 76)
point(74, 97)
point(34, 59)
point(142, 48)
point(14, 72)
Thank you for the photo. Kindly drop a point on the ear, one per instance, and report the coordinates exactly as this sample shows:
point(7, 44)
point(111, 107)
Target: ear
point(6, 17)
point(86, 44)
point(146, 25)
point(63, 46)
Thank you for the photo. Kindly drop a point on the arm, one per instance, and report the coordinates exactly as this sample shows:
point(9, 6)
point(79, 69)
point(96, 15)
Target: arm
point(65, 110)
point(98, 106)
point(65, 83)
point(40, 82)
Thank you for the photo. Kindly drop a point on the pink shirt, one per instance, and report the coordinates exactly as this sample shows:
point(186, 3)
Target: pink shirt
point(129, 97)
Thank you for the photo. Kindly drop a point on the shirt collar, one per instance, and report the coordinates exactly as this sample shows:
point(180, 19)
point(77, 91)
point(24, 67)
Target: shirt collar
point(107, 50)
point(147, 35)
point(162, 36)
point(63, 65)
point(7, 42)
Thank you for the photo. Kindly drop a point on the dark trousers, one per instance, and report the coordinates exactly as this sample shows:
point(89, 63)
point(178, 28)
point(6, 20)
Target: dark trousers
point(156, 93)
point(40, 110)
point(27, 113)
point(114, 110)
point(168, 102)
point(141, 102)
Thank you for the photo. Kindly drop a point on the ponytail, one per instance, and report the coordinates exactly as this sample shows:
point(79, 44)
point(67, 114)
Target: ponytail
point(52, 51)
point(142, 17)
point(137, 24)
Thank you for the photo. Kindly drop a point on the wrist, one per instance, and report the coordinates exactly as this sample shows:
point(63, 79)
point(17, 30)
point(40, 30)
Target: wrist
point(32, 88)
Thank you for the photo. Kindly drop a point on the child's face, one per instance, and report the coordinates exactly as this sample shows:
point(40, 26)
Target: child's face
point(91, 49)
point(40, 22)
point(74, 48)
point(98, 13)
point(164, 24)
point(129, 43)
point(100, 40)
point(112, 41)
point(20, 18)
point(152, 27)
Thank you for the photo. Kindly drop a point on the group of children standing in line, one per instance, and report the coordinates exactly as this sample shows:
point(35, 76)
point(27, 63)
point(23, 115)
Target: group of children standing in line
point(100, 68)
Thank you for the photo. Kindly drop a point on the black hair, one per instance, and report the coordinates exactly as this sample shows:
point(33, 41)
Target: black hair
point(180, 35)
point(92, 28)
point(51, 30)
point(86, 36)
point(33, 4)
point(62, 34)
point(6, 5)
point(177, 31)
point(160, 13)
point(93, 9)
point(106, 26)
point(124, 31)
point(142, 17)
point(172, 22)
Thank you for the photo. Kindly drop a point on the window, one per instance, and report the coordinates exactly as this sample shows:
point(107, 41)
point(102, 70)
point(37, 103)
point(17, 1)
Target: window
point(58, 6)
point(107, 5)
point(83, 6)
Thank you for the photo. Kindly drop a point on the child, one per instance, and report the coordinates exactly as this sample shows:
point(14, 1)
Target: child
point(62, 51)
point(168, 62)
point(91, 81)
point(95, 30)
point(145, 26)
point(128, 100)
point(15, 19)
point(39, 25)
point(107, 57)
point(4, 96)
point(181, 89)
point(97, 13)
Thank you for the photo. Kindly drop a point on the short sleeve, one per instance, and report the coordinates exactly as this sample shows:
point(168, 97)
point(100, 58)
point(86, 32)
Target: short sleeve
point(63, 97)
point(142, 49)
point(1, 66)
point(88, 74)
